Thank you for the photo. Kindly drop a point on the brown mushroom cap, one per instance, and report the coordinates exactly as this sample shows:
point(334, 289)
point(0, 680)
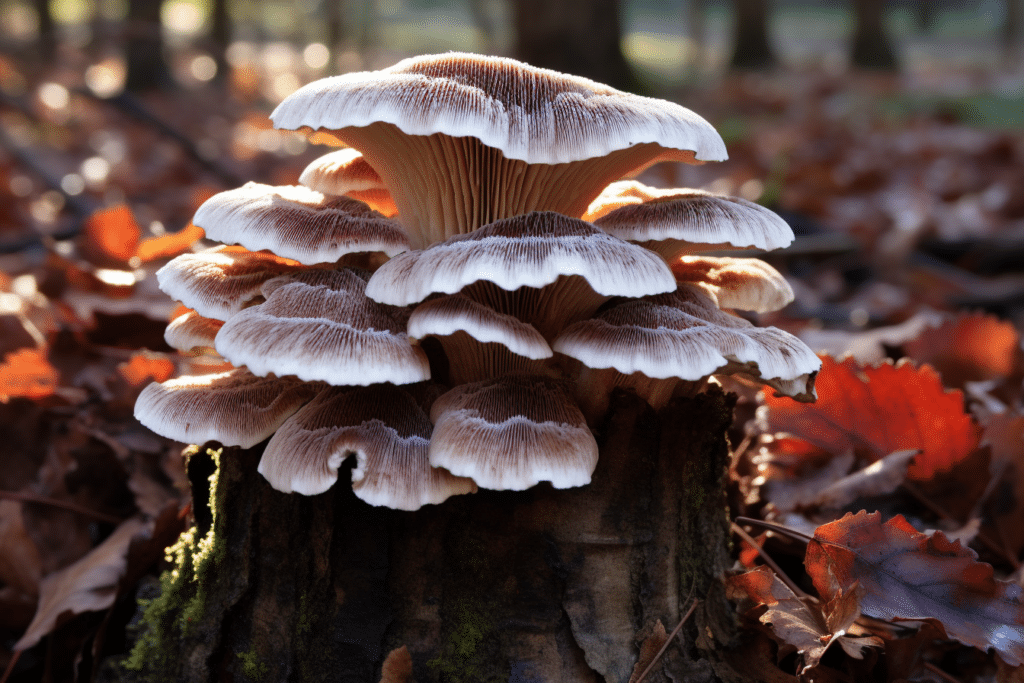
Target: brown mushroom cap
point(746, 284)
point(191, 332)
point(694, 220)
point(387, 431)
point(462, 140)
point(298, 223)
point(345, 172)
point(319, 325)
point(235, 408)
point(219, 282)
point(513, 432)
point(684, 335)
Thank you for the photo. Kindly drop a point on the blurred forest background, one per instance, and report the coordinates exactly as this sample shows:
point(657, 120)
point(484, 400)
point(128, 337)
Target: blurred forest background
point(889, 135)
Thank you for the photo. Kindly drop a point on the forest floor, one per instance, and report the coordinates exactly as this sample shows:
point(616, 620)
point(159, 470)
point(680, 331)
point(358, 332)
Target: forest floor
point(908, 269)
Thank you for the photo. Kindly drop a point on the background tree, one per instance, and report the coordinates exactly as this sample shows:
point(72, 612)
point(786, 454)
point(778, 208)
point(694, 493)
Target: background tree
point(752, 49)
point(144, 47)
point(581, 37)
point(872, 47)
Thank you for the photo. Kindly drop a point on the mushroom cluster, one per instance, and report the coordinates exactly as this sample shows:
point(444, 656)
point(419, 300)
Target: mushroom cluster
point(452, 296)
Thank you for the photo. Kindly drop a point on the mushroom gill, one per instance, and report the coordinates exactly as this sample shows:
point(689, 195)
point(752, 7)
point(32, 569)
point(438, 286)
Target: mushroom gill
point(487, 302)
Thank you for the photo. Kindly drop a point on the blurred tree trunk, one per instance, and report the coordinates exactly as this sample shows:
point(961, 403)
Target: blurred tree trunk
point(696, 22)
point(581, 37)
point(144, 47)
point(484, 22)
point(334, 11)
point(752, 48)
point(872, 47)
point(1013, 27)
point(925, 16)
point(537, 585)
point(220, 37)
point(47, 29)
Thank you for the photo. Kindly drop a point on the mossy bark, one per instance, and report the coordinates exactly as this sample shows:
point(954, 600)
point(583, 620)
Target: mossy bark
point(539, 585)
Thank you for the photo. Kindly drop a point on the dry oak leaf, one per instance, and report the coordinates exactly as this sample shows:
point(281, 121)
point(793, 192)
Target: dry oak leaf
point(809, 628)
point(1004, 434)
point(144, 366)
point(170, 244)
point(27, 373)
point(89, 584)
point(907, 575)
point(877, 410)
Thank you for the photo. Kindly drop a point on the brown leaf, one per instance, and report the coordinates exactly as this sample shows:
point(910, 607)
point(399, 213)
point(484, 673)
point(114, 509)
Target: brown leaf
point(27, 373)
point(969, 348)
point(20, 564)
point(877, 410)
point(649, 649)
point(808, 628)
point(907, 575)
point(1004, 434)
point(89, 584)
point(397, 666)
point(111, 235)
point(171, 244)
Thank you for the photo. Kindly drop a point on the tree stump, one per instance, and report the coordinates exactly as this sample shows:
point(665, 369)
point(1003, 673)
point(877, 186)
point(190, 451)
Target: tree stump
point(538, 585)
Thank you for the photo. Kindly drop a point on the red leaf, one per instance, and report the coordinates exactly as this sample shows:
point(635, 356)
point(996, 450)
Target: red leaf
point(907, 575)
point(27, 373)
point(877, 411)
point(144, 366)
point(111, 235)
point(969, 348)
point(171, 244)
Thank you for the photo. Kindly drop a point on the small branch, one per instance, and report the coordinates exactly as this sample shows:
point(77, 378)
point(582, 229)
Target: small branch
point(668, 640)
point(778, 528)
point(769, 561)
point(72, 507)
point(10, 666)
point(940, 673)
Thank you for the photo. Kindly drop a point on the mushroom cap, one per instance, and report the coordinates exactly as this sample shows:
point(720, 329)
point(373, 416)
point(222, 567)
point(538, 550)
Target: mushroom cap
point(746, 284)
point(319, 325)
point(531, 250)
point(219, 282)
point(235, 408)
point(387, 431)
point(622, 193)
point(535, 115)
point(684, 335)
point(191, 331)
point(697, 217)
point(341, 172)
point(298, 223)
point(510, 433)
point(446, 315)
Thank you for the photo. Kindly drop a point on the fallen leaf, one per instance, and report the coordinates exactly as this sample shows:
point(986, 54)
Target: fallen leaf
point(170, 244)
point(111, 235)
point(649, 649)
point(877, 410)
point(907, 575)
point(1004, 434)
point(879, 478)
point(970, 348)
point(27, 373)
point(145, 366)
point(88, 585)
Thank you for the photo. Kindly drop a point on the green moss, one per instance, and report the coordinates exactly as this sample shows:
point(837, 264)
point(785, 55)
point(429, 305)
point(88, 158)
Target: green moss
point(182, 597)
point(252, 667)
point(463, 656)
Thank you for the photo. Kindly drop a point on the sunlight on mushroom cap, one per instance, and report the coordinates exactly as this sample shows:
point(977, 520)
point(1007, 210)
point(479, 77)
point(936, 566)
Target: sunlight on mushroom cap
point(742, 283)
point(191, 332)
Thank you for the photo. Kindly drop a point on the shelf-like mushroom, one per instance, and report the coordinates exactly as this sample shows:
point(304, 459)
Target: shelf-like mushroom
point(383, 427)
point(298, 223)
point(745, 284)
point(345, 172)
point(319, 325)
point(510, 433)
point(462, 140)
point(235, 408)
point(192, 333)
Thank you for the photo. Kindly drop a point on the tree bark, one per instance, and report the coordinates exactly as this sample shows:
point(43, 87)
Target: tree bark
point(752, 48)
point(538, 585)
point(47, 29)
point(220, 37)
point(1011, 34)
point(581, 37)
point(872, 47)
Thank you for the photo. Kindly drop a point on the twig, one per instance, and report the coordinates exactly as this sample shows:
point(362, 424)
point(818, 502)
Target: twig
point(768, 560)
point(784, 530)
point(668, 640)
point(72, 507)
